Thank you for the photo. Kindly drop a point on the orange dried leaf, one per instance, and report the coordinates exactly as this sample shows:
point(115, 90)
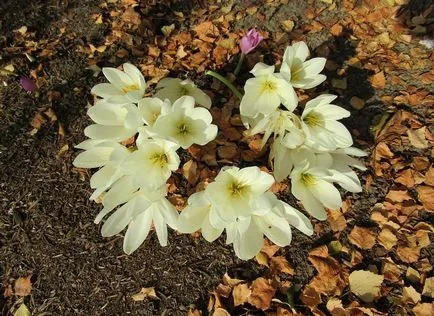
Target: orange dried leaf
point(280, 264)
point(425, 194)
point(23, 286)
point(145, 292)
point(262, 294)
point(362, 237)
point(378, 80)
point(241, 294)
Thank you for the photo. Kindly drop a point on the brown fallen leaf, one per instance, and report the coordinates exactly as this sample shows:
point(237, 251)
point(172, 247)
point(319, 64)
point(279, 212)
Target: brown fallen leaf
point(262, 294)
point(429, 176)
point(280, 265)
point(398, 196)
point(410, 295)
point(221, 312)
point(365, 284)
point(190, 172)
point(426, 196)
point(362, 237)
point(145, 292)
point(387, 238)
point(417, 137)
point(378, 80)
point(428, 288)
point(337, 220)
point(423, 309)
point(241, 294)
point(23, 286)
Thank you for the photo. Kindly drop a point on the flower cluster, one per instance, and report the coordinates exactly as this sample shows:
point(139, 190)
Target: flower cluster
point(313, 149)
point(132, 180)
point(239, 202)
point(135, 140)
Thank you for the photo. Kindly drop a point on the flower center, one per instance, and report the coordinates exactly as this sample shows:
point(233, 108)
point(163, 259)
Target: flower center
point(129, 88)
point(237, 189)
point(313, 119)
point(307, 179)
point(296, 73)
point(184, 90)
point(160, 159)
point(269, 86)
point(183, 129)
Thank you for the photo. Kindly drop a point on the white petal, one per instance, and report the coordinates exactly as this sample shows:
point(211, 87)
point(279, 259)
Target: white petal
point(116, 222)
point(116, 77)
point(106, 90)
point(327, 194)
point(301, 51)
point(134, 73)
point(201, 98)
point(107, 114)
point(191, 218)
point(296, 219)
point(137, 231)
point(116, 133)
point(93, 158)
point(209, 232)
point(250, 243)
point(160, 227)
point(261, 69)
point(314, 66)
point(169, 213)
point(275, 228)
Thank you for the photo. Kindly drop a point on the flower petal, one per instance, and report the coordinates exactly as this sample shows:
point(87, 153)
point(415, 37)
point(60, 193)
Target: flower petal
point(137, 231)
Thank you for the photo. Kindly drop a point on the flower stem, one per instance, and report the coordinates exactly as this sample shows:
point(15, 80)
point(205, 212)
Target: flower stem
point(225, 82)
point(240, 63)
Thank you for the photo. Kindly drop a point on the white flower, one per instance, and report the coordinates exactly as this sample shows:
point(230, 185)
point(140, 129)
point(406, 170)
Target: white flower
point(312, 185)
point(265, 92)
point(197, 216)
point(113, 122)
point(174, 88)
point(109, 156)
point(125, 86)
point(299, 72)
point(319, 121)
point(185, 124)
point(247, 233)
point(152, 163)
point(279, 123)
point(151, 108)
point(142, 210)
point(237, 192)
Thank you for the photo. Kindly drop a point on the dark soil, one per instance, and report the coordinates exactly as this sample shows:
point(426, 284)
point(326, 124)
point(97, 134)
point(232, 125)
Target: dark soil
point(46, 218)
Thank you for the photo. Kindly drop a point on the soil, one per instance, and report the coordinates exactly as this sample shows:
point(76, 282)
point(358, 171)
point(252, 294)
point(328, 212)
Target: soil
point(46, 218)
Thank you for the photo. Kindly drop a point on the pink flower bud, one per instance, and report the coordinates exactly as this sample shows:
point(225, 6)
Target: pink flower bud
point(250, 41)
point(27, 84)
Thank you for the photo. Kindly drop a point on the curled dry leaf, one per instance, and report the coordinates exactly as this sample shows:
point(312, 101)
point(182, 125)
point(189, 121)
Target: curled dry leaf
point(426, 196)
point(410, 295)
point(262, 294)
point(362, 237)
point(365, 284)
point(241, 294)
point(428, 288)
point(280, 265)
point(145, 292)
point(387, 238)
point(23, 286)
point(190, 172)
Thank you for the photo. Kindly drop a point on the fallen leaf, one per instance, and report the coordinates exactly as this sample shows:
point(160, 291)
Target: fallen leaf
point(337, 220)
point(365, 284)
point(423, 309)
point(426, 196)
point(412, 275)
point(387, 238)
point(229, 281)
point(280, 265)
point(378, 80)
point(428, 288)
point(145, 292)
point(410, 295)
point(362, 237)
point(241, 294)
point(429, 177)
point(23, 286)
point(22, 311)
point(262, 293)
point(417, 138)
point(221, 312)
point(190, 172)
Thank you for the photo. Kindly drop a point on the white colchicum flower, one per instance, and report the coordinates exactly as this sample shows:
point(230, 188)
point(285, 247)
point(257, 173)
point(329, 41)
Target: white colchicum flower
point(312, 184)
point(319, 122)
point(109, 156)
point(299, 72)
point(265, 92)
point(197, 216)
point(152, 163)
point(237, 192)
point(174, 88)
point(113, 122)
point(186, 125)
point(124, 86)
point(141, 210)
point(151, 108)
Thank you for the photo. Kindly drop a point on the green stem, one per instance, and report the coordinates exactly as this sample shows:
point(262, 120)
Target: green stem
point(225, 82)
point(240, 63)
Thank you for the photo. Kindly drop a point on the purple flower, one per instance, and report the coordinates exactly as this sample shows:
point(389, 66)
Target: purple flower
point(27, 84)
point(250, 41)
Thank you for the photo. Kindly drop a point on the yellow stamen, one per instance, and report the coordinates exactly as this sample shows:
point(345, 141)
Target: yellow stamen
point(160, 159)
point(307, 179)
point(129, 88)
point(237, 189)
point(269, 86)
point(313, 119)
point(296, 73)
point(183, 129)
